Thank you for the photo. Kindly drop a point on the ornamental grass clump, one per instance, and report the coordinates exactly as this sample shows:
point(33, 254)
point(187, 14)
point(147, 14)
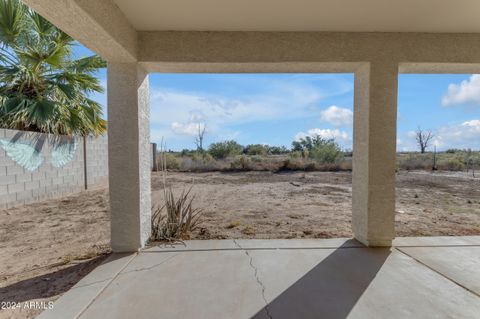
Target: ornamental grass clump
point(176, 218)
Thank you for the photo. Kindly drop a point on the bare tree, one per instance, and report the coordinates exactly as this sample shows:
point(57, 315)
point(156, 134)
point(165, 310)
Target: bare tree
point(423, 139)
point(200, 135)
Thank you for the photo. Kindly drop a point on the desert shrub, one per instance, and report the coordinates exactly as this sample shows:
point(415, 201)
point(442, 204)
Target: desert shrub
point(296, 154)
point(256, 163)
point(202, 157)
point(451, 164)
point(208, 158)
point(416, 161)
point(258, 159)
point(207, 164)
point(450, 160)
point(326, 152)
point(269, 165)
point(256, 149)
point(473, 161)
point(224, 149)
point(241, 163)
point(171, 161)
point(293, 164)
point(176, 218)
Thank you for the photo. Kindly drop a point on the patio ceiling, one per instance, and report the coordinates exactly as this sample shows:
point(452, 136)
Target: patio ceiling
point(170, 36)
point(303, 15)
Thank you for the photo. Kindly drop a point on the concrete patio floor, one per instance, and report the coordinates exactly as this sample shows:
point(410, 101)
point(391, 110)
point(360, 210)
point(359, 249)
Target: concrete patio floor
point(424, 277)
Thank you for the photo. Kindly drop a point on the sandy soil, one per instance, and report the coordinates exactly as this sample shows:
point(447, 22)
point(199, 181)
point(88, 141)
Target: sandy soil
point(45, 248)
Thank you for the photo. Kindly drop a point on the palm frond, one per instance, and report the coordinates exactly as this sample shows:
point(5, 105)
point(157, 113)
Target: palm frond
point(42, 86)
point(12, 14)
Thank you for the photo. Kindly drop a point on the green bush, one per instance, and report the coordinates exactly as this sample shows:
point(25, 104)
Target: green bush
point(256, 149)
point(171, 161)
point(224, 149)
point(308, 143)
point(326, 152)
point(322, 150)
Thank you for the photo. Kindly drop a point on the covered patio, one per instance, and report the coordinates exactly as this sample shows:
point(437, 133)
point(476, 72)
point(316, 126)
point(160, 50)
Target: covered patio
point(435, 277)
point(418, 277)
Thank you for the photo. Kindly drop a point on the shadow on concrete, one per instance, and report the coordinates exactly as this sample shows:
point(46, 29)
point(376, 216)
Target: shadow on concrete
point(49, 284)
point(331, 289)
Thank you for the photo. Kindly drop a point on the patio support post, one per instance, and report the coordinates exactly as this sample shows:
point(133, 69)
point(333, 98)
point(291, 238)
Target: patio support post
point(129, 156)
point(374, 153)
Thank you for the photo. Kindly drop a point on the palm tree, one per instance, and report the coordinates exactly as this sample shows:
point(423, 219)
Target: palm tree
point(42, 86)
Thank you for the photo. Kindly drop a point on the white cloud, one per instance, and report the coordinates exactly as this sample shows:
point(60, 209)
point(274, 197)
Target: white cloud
point(168, 106)
point(473, 123)
point(337, 116)
point(468, 91)
point(336, 134)
point(465, 135)
point(191, 127)
point(186, 128)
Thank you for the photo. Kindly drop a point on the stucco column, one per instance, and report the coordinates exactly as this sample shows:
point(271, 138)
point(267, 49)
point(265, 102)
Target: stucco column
point(129, 156)
point(374, 153)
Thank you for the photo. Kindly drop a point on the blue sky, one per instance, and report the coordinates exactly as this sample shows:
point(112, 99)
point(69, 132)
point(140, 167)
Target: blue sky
point(275, 109)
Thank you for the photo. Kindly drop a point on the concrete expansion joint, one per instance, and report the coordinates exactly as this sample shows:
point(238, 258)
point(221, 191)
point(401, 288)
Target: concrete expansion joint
point(108, 282)
point(257, 278)
point(437, 271)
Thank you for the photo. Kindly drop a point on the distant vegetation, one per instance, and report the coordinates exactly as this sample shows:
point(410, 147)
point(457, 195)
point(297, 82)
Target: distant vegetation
point(309, 153)
point(225, 149)
point(450, 160)
point(312, 153)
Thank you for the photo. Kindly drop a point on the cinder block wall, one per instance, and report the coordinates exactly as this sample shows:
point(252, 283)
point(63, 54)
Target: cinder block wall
point(97, 160)
point(22, 182)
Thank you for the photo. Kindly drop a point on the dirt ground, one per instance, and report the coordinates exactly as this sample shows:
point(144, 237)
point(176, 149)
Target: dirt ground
point(45, 248)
